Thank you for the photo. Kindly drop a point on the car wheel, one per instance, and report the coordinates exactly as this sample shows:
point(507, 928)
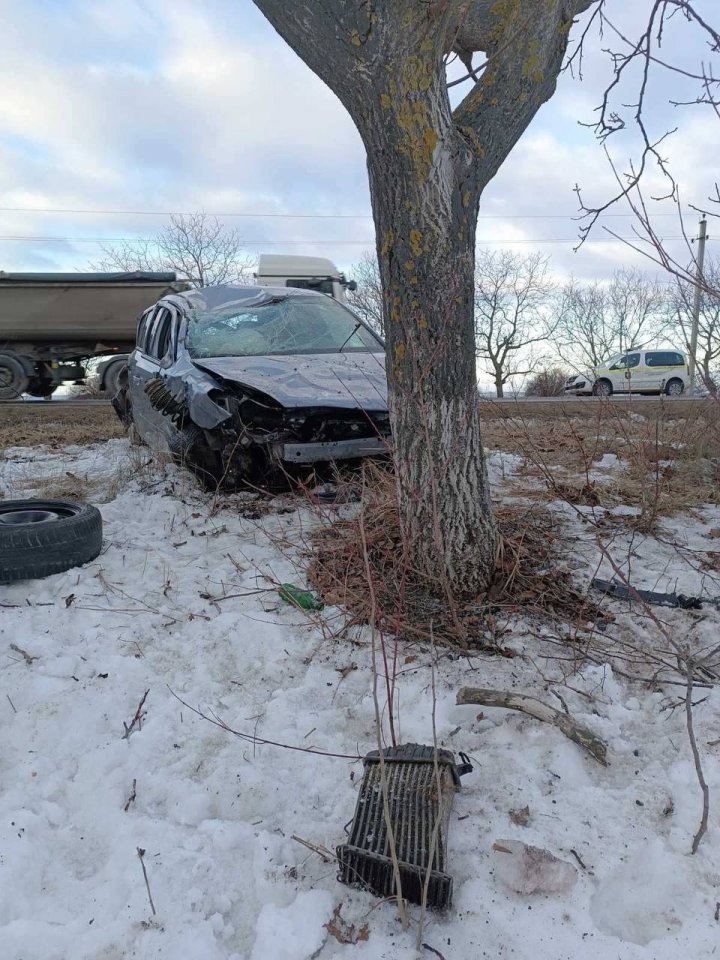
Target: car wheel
point(674, 388)
point(42, 537)
point(115, 378)
point(603, 388)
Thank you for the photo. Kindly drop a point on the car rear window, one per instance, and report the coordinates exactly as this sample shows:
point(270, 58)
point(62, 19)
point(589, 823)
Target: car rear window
point(664, 358)
point(289, 325)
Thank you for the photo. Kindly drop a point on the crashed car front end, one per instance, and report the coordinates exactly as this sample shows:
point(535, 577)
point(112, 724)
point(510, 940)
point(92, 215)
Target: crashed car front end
point(256, 436)
point(241, 419)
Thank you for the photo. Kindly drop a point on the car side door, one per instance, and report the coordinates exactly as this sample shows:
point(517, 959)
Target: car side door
point(624, 373)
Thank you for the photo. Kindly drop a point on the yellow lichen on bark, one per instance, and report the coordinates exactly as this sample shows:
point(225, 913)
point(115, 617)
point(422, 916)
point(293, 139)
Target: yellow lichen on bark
point(416, 246)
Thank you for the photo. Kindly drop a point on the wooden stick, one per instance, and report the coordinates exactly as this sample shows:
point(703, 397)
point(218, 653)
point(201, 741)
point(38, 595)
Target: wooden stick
point(508, 700)
point(141, 854)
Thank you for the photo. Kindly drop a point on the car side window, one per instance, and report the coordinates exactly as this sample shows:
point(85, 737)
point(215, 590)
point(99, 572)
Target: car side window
point(161, 335)
point(142, 328)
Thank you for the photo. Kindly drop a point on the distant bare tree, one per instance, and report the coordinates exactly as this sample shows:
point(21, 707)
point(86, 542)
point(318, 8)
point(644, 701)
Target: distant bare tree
point(367, 299)
point(595, 321)
point(198, 247)
point(549, 382)
point(708, 347)
point(512, 293)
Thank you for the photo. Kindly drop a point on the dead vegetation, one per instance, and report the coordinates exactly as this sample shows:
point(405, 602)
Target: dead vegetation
point(529, 576)
point(665, 464)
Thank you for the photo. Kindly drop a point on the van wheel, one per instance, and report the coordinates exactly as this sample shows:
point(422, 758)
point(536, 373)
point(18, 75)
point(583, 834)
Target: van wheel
point(603, 388)
point(13, 379)
point(674, 388)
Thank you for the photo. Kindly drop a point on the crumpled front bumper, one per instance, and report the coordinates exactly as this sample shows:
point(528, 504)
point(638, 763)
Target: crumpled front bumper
point(331, 450)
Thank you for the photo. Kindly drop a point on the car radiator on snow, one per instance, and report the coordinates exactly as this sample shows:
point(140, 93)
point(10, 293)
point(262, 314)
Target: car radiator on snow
point(421, 786)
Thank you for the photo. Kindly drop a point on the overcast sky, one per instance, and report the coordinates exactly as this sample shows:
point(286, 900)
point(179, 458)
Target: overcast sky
point(181, 105)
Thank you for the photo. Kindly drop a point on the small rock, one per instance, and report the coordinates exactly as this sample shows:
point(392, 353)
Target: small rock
point(714, 533)
point(526, 869)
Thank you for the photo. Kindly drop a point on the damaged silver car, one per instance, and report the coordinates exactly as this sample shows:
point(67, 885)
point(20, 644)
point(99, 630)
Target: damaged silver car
point(243, 383)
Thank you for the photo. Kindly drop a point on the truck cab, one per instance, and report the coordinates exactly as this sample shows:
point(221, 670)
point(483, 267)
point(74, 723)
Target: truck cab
point(306, 273)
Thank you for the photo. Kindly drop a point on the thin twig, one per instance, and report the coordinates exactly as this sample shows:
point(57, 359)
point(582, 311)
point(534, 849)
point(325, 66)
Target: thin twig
point(696, 757)
point(436, 825)
point(137, 719)
point(326, 855)
point(141, 854)
point(131, 798)
point(28, 658)
point(11, 703)
point(402, 911)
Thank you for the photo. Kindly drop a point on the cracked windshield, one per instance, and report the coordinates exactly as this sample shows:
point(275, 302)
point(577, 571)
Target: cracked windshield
point(282, 326)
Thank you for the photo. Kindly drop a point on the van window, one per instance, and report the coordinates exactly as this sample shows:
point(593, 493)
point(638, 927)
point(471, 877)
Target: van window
point(664, 358)
point(320, 284)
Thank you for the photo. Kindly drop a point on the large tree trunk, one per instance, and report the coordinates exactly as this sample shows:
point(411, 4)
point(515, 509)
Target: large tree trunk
point(499, 386)
point(428, 165)
point(426, 252)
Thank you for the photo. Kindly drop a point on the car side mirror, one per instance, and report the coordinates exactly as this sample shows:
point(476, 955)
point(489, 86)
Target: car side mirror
point(351, 285)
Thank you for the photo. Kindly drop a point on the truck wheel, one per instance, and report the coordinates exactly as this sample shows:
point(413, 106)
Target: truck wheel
point(13, 378)
point(115, 378)
point(42, 537)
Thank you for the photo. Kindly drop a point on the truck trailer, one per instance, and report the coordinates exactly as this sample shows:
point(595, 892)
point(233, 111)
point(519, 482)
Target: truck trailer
point(52, 324)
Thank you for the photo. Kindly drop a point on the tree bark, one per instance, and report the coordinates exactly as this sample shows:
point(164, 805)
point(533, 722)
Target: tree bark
point(499, 387)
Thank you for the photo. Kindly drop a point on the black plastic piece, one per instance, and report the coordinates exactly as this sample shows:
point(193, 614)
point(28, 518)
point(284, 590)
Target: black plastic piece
point(621, 592)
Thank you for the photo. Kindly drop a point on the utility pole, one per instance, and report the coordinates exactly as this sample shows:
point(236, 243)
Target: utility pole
point(692, 367)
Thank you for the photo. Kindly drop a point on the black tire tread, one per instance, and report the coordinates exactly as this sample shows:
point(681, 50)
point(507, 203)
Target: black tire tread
point(33, 551)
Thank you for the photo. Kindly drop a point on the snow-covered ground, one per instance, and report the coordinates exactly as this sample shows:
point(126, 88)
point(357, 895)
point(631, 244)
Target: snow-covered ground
point(171, 607)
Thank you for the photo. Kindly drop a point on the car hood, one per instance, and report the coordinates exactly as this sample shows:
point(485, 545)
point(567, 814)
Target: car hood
point(346, 380)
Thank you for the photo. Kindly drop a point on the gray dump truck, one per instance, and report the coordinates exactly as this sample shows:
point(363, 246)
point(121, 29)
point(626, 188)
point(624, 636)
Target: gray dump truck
point(52, 324)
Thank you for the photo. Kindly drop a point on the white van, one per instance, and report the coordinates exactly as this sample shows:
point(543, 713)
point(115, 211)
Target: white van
point(307, 273)
point(637, 371)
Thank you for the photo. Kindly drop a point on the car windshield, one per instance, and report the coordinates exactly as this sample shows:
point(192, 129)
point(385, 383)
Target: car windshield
point(287, 325)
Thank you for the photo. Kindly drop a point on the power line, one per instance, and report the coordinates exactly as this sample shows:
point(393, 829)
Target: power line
point(369, 241)
point(296, 216)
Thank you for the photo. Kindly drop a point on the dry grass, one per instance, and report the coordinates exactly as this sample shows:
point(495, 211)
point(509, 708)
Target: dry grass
point(529, 577)
point(58, 426)
point(99, 482)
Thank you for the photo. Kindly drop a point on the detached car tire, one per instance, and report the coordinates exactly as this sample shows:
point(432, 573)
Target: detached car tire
point(42, 537)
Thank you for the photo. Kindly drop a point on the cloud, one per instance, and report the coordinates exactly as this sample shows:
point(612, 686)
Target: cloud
point(160, 105)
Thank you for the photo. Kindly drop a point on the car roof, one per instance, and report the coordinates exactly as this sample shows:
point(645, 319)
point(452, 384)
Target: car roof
point(213, 298)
